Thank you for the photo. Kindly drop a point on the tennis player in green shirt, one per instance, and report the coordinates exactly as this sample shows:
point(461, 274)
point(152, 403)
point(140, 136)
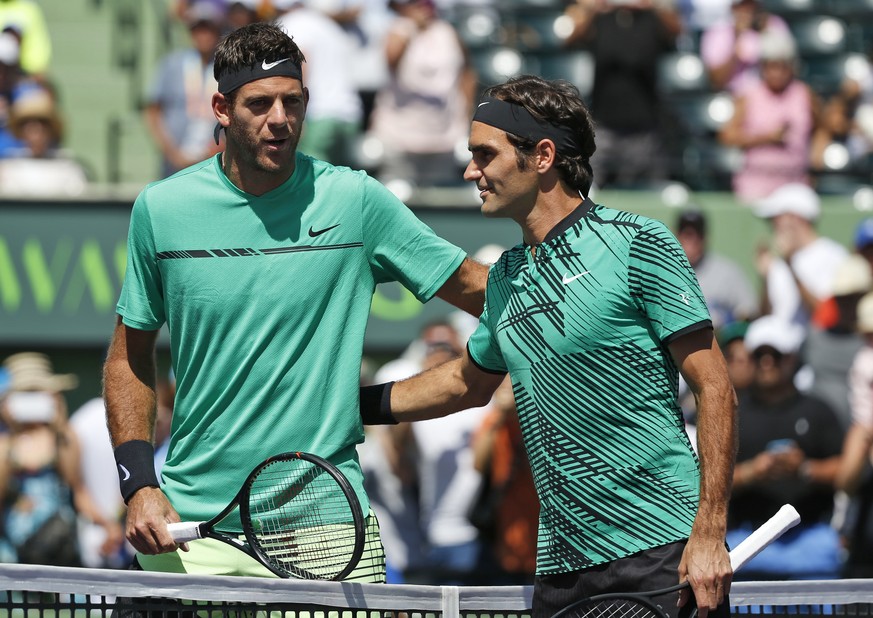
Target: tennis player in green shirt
point(594, 316)
point(262, 262)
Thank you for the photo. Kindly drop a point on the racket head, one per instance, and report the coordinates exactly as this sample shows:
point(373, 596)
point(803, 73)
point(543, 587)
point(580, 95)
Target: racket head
point(613, 606)
point(301, 517)
point(648, 604)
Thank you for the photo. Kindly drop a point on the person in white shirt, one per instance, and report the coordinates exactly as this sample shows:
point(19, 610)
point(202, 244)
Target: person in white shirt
point(799, 266)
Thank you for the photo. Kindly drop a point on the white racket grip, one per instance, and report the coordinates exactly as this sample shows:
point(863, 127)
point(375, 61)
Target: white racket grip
point(185, 531)
point(785, 519)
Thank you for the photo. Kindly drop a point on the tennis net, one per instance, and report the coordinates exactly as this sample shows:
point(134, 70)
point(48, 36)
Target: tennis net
point(56, 592)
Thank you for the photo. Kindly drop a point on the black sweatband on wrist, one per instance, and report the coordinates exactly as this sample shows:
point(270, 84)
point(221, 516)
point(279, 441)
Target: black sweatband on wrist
point(136, 467)
point(376, 404)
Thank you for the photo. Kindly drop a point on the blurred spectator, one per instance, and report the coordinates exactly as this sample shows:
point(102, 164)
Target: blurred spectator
point(98, 549)
point(731, 49)
point(700, 15)
point(366, 23)
point(40, 468)
point(847, 120)
point(333, 115)
point(772, 124)
point(789, 453)
point(447, 480)
point(25, 19)
point(799, 268)
point(728, 292)
point(423, 112)
point(627, 38)
point(13, 83)
point(511, 505)
point(831, 347)
point(856, 472)
point(39, 166)
point(242, 13)
point(178, 112)
point(864, 239)
point(741, 368)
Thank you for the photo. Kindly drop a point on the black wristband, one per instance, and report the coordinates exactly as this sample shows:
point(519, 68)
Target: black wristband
point(136, 467)
point(376, 404)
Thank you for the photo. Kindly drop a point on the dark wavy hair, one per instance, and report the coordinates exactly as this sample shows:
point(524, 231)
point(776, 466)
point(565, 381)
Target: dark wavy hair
point(252, 44)
point(559, 103)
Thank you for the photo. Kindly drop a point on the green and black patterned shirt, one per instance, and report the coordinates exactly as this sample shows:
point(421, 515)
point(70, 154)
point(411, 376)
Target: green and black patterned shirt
point(582, 327)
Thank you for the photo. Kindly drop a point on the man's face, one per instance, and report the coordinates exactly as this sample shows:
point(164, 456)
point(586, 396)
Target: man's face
point(265, 123)
point(692, 243)
point(505, 189)
point(772, 367)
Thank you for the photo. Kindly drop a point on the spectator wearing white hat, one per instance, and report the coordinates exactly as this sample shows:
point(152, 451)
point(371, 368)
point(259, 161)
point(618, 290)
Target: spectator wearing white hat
point(799, 266)
point(855, 475)
point(789, 452)
point(833, 339)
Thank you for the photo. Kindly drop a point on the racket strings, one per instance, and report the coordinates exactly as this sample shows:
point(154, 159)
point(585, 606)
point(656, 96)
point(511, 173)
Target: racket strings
point(613, 608)
point(301, 519)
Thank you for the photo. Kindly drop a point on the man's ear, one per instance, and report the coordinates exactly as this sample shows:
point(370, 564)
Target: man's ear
point(545, 152)
point(221, 109)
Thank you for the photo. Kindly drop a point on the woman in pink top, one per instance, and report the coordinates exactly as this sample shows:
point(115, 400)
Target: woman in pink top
point(772, 123)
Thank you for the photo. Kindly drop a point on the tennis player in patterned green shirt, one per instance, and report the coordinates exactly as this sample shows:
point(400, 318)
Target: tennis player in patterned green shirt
point(594, 316)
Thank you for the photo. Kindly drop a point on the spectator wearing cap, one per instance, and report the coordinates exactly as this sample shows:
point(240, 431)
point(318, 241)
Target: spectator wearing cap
point(856, 467)
point(39, 166)
point(773, 121)
point(178, 111)
point(798, 267)
point(789, 452)
point(731, 48)
point(741, 369)
point(832, 344)
point(40, 468)
point(864, 239)
point(728, 292)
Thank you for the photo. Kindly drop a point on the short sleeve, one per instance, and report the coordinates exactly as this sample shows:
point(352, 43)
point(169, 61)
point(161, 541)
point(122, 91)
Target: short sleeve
point(141, 303)
point(663, 284)
point(400, 247)
point(483, 348)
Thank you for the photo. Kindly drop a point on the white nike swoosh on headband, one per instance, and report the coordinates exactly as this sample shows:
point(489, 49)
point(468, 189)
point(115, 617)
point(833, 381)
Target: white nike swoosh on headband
point(483, 103)
point(269, 65)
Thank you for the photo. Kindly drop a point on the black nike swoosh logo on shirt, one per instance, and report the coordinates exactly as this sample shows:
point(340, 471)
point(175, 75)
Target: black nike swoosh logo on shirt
point(314, 233)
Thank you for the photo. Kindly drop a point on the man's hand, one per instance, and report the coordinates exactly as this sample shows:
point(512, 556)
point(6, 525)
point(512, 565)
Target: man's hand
point(148, 514)
point(706, 565)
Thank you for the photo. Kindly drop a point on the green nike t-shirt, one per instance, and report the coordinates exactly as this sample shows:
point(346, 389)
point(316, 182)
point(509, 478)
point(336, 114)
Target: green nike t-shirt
point(582, 327)
point(267, 300)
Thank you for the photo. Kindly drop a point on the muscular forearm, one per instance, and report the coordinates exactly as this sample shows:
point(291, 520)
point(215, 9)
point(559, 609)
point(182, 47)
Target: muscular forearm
point(129, 389)
point(717, 445)
point(450, 387)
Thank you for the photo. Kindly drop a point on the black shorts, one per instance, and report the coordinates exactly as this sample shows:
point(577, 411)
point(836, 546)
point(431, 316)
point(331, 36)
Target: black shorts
point(646, 570)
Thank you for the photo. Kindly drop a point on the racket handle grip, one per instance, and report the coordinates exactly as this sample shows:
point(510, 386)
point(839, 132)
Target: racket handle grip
point(784, 519)
point(185, 531)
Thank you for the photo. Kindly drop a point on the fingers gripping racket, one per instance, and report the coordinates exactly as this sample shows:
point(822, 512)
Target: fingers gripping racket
point(300, 517)
point(645, 605)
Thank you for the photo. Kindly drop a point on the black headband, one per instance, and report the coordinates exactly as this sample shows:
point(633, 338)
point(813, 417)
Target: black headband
point(286, 67)
point(517, 120)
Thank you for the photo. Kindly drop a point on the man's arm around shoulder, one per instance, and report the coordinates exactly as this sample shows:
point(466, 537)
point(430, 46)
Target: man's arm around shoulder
point(129, 395)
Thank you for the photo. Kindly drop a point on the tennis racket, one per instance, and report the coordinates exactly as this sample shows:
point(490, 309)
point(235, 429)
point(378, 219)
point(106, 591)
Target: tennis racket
point(645, 605)
point(300, 517)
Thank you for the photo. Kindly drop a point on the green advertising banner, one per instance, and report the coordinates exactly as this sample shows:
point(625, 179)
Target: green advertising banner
point(62, 264)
